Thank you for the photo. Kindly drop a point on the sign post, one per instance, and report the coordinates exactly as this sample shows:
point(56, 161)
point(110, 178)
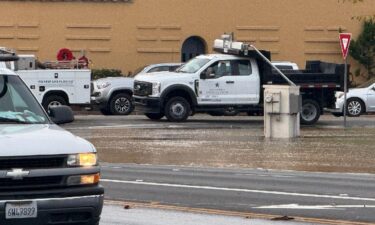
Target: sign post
point(345, 39)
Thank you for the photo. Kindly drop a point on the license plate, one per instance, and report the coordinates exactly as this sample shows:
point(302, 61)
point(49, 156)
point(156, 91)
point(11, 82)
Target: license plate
point(19, 210)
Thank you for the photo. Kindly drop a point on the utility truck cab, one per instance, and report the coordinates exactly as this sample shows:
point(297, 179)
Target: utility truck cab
point(47, 175)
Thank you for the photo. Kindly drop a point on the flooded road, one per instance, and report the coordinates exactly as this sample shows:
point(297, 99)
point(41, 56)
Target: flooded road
point(236, 142)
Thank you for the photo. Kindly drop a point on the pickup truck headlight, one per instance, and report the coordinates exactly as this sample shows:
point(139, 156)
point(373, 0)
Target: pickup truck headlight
point(156, 88)
point(83, 159)
point(103, 85)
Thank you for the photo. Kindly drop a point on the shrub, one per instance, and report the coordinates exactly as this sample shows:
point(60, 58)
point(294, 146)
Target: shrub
point(102, 73)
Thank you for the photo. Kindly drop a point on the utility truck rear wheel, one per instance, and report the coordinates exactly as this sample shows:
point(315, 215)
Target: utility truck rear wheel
point(310, 112)
point(177, 109)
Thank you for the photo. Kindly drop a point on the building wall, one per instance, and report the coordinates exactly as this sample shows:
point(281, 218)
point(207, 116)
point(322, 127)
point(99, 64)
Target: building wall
point(126, 35)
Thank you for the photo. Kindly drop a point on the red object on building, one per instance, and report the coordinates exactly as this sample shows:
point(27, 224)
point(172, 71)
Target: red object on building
point(84, 61)
point(65, 54)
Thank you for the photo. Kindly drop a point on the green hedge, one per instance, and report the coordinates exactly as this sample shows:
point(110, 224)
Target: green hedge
point(101, 73)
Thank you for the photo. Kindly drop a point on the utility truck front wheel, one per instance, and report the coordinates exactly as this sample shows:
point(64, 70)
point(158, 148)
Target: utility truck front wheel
point(177, 109)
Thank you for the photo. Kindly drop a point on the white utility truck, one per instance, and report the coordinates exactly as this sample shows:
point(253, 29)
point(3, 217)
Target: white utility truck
point(232, 81)
point(52, 83)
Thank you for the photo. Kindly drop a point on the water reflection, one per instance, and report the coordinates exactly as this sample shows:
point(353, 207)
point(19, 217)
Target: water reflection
point(326, 150)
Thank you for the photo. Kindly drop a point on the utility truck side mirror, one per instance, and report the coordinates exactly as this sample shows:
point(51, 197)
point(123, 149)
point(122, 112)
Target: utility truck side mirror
point(208, 73)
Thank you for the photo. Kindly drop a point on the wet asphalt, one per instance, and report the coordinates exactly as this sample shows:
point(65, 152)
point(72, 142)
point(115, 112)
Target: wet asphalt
point(225, 163)
point(235, 142)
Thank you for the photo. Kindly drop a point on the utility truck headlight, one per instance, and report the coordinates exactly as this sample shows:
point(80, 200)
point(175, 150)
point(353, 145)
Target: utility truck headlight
point(83, 159)
point(156, 88)
point(103, 85)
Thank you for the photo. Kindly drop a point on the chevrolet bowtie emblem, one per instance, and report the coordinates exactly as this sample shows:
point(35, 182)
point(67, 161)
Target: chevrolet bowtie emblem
point(17, 174)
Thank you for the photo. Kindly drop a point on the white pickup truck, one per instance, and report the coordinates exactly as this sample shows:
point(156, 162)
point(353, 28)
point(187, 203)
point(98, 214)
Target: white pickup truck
point(52, 87)
point(219, 83)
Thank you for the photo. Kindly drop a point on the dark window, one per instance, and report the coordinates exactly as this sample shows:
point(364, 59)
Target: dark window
point(241, 68)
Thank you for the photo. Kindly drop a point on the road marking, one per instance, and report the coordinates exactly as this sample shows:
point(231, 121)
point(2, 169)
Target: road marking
point(296, 206)
point(239, 190)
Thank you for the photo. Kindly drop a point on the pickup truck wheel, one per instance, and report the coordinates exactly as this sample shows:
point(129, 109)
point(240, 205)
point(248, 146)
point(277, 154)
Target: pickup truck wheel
point(154, 116)
point(177, 109)
point(53, 100)
point(310, 112)
point(121, 104)
point(355, 107)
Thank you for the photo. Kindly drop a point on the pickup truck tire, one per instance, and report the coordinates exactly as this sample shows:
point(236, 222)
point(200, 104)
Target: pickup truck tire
point(310, 112)
point(121, 104)
point(355, 107)
point(177, 109)
point(154, 116)
point(53, 100)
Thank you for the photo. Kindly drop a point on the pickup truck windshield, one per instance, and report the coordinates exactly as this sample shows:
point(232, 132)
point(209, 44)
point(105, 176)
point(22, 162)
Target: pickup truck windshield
point(193, 65)
point(17, 104)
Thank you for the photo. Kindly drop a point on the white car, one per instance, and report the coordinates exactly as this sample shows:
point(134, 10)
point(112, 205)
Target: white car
point(359, 100)
point(285, 65)
point(114, 94)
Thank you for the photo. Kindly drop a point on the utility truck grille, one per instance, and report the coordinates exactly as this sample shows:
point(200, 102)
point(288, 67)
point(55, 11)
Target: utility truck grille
point(142, 88)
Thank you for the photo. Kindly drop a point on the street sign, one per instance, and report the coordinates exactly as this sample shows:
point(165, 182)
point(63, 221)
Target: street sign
point(345, 43)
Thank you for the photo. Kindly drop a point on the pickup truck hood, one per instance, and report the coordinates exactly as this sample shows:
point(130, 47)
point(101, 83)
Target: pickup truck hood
point(46, 139)
point(159, 76)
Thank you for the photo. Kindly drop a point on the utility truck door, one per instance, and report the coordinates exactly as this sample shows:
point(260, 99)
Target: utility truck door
point(215, 84)
point(246, 88)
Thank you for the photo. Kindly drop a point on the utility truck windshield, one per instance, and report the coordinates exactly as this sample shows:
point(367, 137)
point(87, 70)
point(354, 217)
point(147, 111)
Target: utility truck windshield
point(193, 65)
point(17, 104)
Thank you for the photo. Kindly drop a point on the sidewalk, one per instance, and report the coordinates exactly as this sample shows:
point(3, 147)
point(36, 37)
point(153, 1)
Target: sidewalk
point(117, 214)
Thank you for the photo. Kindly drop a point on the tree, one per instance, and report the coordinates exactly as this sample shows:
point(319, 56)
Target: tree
point(363, 49)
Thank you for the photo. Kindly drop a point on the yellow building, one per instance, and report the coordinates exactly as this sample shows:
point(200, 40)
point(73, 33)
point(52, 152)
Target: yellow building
point(126, 34)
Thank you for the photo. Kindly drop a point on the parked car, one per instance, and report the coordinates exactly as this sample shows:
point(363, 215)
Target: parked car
point(360, 100)
point(47, 175)
point(285, 65)
point(114, 94)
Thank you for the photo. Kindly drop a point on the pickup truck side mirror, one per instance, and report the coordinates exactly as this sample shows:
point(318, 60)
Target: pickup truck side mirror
point(373, 88)
point(61, 114)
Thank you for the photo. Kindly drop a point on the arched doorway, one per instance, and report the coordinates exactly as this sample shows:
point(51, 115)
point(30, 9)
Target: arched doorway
point(193, 46)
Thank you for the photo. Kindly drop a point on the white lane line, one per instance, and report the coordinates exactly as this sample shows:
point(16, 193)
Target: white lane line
point(239, 190)
point(296, 206)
